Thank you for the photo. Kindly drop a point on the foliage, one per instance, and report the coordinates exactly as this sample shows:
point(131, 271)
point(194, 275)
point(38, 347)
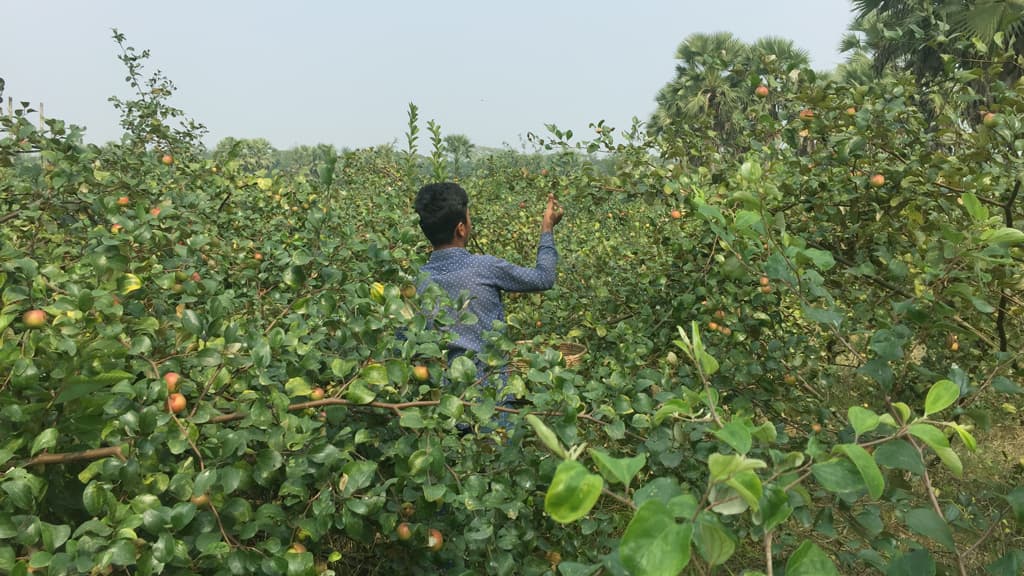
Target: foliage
point(782, 348)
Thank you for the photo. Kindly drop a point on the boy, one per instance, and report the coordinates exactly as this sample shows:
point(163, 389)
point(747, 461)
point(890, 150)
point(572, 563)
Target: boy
point(443, 209)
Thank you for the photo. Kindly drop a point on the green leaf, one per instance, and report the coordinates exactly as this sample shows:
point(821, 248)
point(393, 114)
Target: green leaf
point(903, 409)
point(899, 454)
point(822, 316)
point(547, 436)
point(938, 442)
point(708, 364)
point(748, 485)
point(122, 553)
point(360, 474)
point(653, 544)
point(928, 523)
point(941, 395)
point(672, 407)
point(573, 492)
point(411, 418)
point(713, 541)
point(300, 564)
point(375, 375)
point(297, 387)
point(839, 475)
point(869, 470)
point(809, 560)
point(722, 467)
point(916, 563)
point(977, 210)
point(822, 259)
point(1016, 500)
point(683, 506)
point(888, 344)
point(1011, 564)
point(878, 369)
point(965, 435)
point(618, 470)
point(462, 371)
point(261, 354)
point(862, 419)
point(774, 507)
point(1005, 236)
point(46, 439)
point(358, 393)
point(191, 323)
point(736, 435)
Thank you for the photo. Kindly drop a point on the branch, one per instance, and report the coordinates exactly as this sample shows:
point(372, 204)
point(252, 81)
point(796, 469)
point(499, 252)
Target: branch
point(63, 458)
point(935, 504)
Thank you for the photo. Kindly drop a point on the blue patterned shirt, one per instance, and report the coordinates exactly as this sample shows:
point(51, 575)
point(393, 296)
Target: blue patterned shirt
point(485, 278)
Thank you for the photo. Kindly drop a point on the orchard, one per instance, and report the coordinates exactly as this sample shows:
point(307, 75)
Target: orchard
point(802, 314)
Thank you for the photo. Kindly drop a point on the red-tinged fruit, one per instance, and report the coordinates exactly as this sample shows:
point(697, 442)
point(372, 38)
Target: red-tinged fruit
point(167, 159)
point(171, 379)
point(176, 403)
point(403, 531)
point(761, 91)
point(676, 214)
point(34, 318)
point(435, 540)
point(123, 201)
point(297, 548)
point(989, 119)
point(154, 212)
point(257, 257)
point(317, 393)
point(877, 181)
point(764, 281)
point(807, 114)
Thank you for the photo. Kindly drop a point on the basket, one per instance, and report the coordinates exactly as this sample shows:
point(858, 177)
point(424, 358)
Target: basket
point(571, 352)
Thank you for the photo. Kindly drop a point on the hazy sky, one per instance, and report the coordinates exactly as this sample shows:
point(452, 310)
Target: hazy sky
point(304, 72)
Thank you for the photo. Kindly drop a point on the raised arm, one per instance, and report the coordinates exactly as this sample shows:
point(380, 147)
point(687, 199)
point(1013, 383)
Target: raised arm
point(514, 278)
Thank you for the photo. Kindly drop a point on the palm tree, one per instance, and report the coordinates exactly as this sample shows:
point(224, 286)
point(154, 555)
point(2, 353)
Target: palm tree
point(704, 90)
point(913, 34)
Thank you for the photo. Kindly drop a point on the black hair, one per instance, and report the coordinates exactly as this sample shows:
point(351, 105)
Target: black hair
point(441, 207)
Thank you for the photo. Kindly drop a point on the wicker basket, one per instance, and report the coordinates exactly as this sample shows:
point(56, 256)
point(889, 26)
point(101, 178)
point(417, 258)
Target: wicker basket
point(571, 352)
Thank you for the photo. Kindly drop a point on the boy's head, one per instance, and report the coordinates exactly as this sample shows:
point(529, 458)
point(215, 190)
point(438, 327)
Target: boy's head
point(443, 209)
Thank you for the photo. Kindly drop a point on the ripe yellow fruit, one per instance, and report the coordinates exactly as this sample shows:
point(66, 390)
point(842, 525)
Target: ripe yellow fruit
point(377, 292)
point(421, 373)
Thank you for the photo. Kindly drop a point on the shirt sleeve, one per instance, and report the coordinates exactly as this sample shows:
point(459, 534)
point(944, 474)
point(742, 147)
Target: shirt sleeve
point(511, 278)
